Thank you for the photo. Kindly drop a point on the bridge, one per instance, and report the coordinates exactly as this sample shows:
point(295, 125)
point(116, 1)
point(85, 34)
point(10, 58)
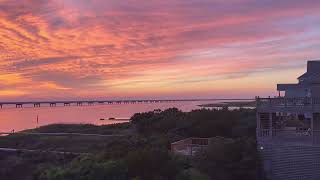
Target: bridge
point(94, 102)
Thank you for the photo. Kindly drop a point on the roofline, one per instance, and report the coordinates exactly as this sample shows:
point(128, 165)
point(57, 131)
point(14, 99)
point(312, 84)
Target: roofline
point(283, 87)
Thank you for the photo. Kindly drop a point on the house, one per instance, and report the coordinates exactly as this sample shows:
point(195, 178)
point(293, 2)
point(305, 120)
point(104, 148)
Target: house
point(190, 146)
point(288, 129)
point(309, 83)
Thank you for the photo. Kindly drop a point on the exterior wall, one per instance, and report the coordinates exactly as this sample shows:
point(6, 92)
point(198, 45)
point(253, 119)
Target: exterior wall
point(313, 66)
point(296, 92)
point(283, 162)
point(315, 91)
point(303, 92)
point(316, 123)
point(264, 120)
point(292, 155)
point(309, 83)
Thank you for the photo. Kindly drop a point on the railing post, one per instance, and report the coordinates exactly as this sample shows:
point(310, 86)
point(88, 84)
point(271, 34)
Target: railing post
point(312, 128)
point(270, 125)
point(285, 102)
point(313, 103)
point(258, 124)
point(269, 101)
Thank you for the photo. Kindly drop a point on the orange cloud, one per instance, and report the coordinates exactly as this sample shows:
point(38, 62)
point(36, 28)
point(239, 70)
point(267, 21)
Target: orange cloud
point(11, 79)
point(68, 48)
point(11, 93)
point(50, 85)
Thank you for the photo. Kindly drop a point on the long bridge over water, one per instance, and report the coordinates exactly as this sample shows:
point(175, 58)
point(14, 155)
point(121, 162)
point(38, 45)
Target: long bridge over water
point(20, 104)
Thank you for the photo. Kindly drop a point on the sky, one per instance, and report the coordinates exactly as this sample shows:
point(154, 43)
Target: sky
point(87, 49)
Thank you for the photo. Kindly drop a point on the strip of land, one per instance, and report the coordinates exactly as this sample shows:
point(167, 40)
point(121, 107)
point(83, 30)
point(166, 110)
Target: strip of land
point(39, 151)
point(237, 104)
point(129, 150)
point(62, 134)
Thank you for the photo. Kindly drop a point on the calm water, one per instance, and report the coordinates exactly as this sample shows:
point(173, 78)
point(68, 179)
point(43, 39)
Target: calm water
point(26, 118)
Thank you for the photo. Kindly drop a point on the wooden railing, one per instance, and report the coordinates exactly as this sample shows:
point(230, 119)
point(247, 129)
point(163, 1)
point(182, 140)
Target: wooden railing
point(190, 146)
point(299, 136)
point(263, 133)
point(278, 132)
point(287, 102)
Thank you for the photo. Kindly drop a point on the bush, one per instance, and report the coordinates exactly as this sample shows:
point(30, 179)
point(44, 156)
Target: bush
point(229, 159)
point(87, 169)
point(144, 155)
point(192, 174)
point(197, 123)
point(149, 164)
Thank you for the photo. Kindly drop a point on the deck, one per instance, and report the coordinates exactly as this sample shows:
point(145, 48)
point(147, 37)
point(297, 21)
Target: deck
point(289, 137)
point(282, 104)
point(190, 146)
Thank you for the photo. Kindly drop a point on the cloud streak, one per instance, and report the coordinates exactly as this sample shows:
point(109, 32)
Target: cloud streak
point(92, 48)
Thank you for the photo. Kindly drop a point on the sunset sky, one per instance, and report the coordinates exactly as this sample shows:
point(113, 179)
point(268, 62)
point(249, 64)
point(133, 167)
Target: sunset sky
point(73, 49)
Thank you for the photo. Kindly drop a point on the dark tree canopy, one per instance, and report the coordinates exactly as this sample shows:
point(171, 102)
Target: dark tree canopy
point(145, 154)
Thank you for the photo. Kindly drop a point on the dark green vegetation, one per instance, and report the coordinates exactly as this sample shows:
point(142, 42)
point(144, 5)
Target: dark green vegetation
point(82, 128)
point(249, 104)
point(144, 153)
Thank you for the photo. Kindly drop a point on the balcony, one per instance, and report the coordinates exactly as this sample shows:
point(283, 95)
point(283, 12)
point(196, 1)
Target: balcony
point(282, 104)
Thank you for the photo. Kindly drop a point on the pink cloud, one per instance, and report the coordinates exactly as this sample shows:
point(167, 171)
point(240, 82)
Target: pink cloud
point(91, 48)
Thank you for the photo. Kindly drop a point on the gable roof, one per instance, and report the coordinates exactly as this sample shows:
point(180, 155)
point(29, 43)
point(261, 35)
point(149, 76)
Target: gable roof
point(313, 71)
point(310, 75)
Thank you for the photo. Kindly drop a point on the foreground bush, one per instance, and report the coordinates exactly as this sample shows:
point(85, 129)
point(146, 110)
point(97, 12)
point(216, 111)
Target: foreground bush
point(87, 169)
point(144, 154)
point(229, 159)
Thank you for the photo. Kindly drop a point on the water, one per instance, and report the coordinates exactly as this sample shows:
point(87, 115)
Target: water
point(18, 119)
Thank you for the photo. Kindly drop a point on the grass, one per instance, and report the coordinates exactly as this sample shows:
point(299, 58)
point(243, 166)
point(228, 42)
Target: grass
point(82, 128)
point(69, 143)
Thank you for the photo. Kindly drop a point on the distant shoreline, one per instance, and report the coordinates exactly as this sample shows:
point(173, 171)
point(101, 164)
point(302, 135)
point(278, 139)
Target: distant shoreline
point(239, 104)
point(115, 119)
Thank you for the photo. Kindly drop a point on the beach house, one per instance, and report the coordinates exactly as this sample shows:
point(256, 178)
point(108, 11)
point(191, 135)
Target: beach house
point(288, 129)
point(308, 86)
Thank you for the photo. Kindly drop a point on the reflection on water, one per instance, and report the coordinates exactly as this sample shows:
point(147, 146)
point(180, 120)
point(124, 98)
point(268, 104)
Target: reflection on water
point(26, 118)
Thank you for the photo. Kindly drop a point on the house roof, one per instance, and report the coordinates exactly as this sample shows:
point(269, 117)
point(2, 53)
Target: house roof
point(283, 87)
point(313, 67)
point(310, 75)
point(313, 71)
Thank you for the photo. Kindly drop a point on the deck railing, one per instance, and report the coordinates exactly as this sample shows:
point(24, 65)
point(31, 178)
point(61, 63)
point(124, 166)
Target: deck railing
point(299, 136)
point(190, 146)
point(288, 102)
